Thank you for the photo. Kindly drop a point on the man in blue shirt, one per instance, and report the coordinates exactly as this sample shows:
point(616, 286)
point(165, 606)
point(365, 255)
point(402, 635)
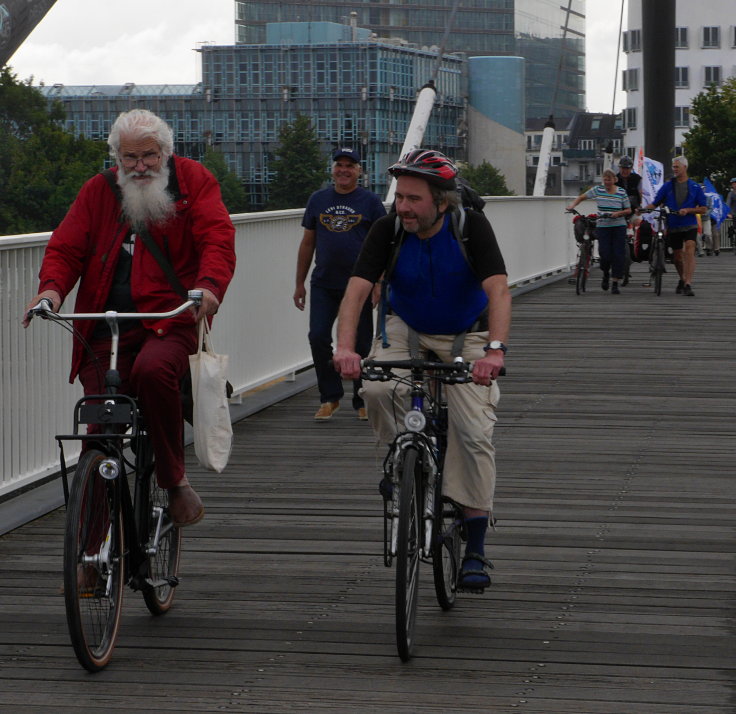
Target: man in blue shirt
point(435, 293)
point(685, 199)
point(335, 223)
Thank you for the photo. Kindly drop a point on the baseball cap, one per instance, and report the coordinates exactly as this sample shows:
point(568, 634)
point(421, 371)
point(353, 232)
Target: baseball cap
point(346, 151)
point(733, 180)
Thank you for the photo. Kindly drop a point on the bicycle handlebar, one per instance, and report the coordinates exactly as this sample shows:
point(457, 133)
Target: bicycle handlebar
point(457, 372)
point(44, 310)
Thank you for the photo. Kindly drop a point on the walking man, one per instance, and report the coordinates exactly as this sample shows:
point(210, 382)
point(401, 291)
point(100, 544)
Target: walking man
point(335, 223)
point(685, 199)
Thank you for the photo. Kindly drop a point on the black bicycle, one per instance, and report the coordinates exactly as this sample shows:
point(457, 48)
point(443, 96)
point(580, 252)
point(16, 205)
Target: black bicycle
point(112, 538)
point(419, 523)
point(584, 230)
point(658, 252)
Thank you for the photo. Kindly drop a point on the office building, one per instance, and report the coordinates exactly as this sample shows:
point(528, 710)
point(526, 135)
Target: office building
point(357, 90)
point(548, 34)
point(705, 54)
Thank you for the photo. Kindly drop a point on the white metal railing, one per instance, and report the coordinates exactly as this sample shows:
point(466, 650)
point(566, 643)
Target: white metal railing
point(258, 325)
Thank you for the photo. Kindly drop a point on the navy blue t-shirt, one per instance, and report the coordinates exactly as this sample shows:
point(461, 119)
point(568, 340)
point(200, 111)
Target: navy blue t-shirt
point(341, 222)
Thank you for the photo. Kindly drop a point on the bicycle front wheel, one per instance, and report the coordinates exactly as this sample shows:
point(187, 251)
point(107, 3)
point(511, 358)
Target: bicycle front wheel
point(583, 267)
point(659, 270)
point(407, 554)
point(164, 546)
point(93, 563)
point(446, 544)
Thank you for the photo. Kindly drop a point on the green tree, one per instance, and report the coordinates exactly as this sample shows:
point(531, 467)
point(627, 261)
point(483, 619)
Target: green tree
point(485, 179)
point(299, 166)
point(233, 193)
point(710, 146)
point(42, 166)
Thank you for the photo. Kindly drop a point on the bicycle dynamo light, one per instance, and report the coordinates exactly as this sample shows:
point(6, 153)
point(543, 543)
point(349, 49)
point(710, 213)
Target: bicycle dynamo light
point(414, 420)
point(109, 469)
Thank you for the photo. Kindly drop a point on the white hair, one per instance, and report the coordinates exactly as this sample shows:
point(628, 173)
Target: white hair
point(141, 124)
point(680, 160)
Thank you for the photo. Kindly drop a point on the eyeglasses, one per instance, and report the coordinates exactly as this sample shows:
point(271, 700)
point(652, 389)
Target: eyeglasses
point(149, 159)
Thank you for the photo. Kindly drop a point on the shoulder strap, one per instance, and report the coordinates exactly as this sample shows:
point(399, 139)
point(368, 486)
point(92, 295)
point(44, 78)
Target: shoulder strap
point(148, 241)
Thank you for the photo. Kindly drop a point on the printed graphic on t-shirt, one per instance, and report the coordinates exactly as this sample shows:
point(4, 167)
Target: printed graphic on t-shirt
point(340, 219)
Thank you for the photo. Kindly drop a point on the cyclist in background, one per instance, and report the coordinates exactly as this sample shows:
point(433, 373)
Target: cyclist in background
point(613, 207)
point(151, 197)
point(685, 199)
point(439, 300)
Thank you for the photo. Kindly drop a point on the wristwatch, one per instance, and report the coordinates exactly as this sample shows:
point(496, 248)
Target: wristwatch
point(495, 345)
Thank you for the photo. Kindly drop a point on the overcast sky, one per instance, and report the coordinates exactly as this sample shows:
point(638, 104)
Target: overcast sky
point(153, 41)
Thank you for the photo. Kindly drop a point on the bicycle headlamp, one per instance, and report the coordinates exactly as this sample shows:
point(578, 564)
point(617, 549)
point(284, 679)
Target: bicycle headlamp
point(414, 420)
point(109, 469)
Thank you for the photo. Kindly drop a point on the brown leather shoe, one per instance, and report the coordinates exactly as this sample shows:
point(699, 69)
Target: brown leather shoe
point(185, 506)
point(326, 410)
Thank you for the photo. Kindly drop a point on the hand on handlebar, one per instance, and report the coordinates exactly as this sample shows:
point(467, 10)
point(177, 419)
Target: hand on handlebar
point(51, 295)
point(347, 363)
point(209, 305)
point(488, 368)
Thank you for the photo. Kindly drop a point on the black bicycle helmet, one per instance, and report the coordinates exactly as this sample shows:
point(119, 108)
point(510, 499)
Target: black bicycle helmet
point(625, 162)
point(432, 166)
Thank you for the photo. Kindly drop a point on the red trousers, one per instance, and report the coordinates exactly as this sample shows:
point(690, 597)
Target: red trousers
point(151, 369)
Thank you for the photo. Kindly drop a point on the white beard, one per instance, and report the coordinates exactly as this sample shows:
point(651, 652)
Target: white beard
point(146, 202)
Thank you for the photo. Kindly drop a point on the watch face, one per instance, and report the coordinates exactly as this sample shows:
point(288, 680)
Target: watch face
point(496, 345)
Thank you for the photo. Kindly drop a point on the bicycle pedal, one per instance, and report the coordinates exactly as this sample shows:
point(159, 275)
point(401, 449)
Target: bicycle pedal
point(172, 580)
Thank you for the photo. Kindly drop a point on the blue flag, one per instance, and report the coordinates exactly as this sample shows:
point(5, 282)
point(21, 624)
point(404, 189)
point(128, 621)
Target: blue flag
point(718, 210)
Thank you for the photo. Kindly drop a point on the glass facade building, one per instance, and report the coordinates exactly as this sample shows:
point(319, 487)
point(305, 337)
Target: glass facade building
point(549, 34)
point(356, 93)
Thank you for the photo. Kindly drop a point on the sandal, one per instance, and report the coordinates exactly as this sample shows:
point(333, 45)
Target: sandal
point(474, 580)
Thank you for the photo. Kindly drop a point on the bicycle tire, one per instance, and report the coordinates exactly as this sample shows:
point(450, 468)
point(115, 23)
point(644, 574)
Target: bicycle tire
point(407, 554)
point(93, 551)
point(446, 546)
point(659, 271)
point(583, 267)
point(163, 564)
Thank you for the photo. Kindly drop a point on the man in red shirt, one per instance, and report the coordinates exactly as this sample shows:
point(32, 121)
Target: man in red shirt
point(178, 203)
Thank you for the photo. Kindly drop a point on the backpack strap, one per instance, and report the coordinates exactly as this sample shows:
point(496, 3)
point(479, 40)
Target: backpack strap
point(148, 241)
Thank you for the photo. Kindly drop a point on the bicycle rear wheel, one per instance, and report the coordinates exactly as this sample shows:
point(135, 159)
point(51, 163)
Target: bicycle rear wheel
point(93, 564)
point(446, 544)
point(163, 557)
point(407, 554)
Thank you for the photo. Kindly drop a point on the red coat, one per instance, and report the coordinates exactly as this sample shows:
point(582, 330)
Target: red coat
point(199, 242)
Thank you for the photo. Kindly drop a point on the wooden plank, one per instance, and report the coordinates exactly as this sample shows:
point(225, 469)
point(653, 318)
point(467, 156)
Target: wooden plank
point(614, 583)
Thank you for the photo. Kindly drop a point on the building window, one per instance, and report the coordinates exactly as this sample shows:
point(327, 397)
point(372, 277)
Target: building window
point(733, 36)
point(635, 40)
point(711, 37)
point(682, 77)
point(712, 76)
point(681, 38)
point(630, 118)
point(586, 144)
point(682, 116)
point(630, 80)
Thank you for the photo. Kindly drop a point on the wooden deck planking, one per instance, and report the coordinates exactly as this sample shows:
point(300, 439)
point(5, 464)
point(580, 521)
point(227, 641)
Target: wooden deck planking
point(614, 582)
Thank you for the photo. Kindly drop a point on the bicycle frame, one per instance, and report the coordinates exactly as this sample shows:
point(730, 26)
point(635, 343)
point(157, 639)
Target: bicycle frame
point(425, 431)
point(114, 411)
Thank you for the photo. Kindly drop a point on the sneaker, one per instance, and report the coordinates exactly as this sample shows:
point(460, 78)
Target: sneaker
point(688, 291)
point(326, 410)
point(615, 290)
point(362, 414)
point(716, 252)
point(680, 287)
point(604, 283)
